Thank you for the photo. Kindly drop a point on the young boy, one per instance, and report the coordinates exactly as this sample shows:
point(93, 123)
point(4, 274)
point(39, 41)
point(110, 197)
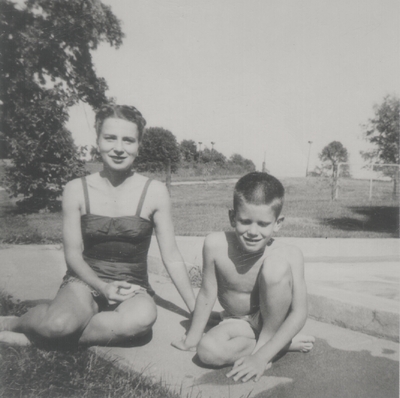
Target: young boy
point(259, 282)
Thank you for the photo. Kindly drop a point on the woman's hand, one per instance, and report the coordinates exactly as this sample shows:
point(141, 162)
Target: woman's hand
point(183, 345)
point(118, 291)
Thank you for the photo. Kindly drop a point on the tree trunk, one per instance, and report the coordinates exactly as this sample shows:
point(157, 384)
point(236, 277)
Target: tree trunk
point(335, 183)
point(396, 177)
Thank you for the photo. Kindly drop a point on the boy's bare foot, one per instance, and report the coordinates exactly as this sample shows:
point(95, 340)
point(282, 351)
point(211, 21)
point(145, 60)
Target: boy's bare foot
point(6, 322)
point(13, 338)
point(302, 343)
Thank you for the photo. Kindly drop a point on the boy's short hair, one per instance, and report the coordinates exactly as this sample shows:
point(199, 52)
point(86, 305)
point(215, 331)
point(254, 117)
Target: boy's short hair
point(259, 189)
point(125, 112)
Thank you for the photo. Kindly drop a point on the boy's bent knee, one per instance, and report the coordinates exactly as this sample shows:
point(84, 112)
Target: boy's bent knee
point(209, 351)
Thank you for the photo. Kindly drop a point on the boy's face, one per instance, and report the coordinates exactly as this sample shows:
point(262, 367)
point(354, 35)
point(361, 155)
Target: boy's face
point(254, 225)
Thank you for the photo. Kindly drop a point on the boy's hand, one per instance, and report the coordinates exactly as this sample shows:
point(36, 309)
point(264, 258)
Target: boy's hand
point(248, 367)
point(181, 345)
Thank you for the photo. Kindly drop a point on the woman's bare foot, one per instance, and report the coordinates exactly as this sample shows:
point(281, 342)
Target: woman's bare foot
point(302, 343)
point(13, 338)
point(6, 322)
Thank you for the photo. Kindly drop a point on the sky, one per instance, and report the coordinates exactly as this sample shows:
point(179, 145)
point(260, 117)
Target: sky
point(260, 78)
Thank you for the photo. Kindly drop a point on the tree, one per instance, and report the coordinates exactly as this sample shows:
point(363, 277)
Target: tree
point(43, 174)
point(94, 154)
point(188, 150)
point(4, 150)
point(212, 155)
point(383, 131)
point(333, 154)
point(246, 164)
point(158, 150)
point(46, 66)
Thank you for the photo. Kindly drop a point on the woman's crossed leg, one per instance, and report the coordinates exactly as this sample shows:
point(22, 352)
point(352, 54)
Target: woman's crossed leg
point(75, 314)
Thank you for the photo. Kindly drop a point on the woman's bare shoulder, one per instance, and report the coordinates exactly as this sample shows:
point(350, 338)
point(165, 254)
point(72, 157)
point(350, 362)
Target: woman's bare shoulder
point(157, 196)
point(73, 194)
point(92, 178)
point(155, 183)
point(73, 185)
point(158, 189)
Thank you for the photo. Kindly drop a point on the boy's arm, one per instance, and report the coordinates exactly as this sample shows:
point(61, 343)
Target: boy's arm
point(268, 346)
point(296, 318)
point(205, 299)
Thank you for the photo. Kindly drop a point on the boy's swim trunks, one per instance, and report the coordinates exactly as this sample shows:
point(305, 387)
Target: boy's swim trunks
point(254, 320)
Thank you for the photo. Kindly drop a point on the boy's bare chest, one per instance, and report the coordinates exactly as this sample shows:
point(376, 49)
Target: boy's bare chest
point(236, 277)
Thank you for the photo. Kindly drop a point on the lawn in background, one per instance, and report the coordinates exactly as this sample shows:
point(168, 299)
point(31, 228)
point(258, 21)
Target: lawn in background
point(309, 212)
point(199, 209)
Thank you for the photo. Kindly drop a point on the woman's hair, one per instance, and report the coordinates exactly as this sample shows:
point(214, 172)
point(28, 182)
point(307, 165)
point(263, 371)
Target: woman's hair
point(125, 112)
point(259, 189)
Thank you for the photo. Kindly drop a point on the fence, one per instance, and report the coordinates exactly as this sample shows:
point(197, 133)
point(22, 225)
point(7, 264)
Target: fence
point(372, 182)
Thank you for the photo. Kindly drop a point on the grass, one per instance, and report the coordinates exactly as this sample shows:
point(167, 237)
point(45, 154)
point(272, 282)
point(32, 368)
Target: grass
point(308, 210)
point(182, 174)
point(31, 372)
point(202, 208)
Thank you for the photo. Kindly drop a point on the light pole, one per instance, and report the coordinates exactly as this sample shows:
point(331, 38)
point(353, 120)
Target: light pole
point(264, 167)
point(212, 150)
point(308, 157)
point(200, 149)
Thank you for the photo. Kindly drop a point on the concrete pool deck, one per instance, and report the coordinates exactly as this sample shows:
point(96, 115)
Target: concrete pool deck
point(353, 284)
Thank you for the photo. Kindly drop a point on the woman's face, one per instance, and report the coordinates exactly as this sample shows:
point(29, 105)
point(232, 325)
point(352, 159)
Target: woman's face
point(118, 143)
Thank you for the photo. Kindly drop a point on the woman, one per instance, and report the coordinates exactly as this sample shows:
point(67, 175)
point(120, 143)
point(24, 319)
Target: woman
point(108, 219)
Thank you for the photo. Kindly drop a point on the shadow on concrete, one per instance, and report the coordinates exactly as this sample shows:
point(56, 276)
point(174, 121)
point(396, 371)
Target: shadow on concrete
point(170, 306)
point(375, 219)
point(324, 372)
point(330, 372)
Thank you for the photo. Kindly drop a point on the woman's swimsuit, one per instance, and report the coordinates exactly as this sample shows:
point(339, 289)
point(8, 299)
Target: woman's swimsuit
point(116, 248)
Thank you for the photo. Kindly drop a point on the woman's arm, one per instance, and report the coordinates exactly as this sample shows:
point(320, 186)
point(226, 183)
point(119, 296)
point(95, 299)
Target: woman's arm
point(170, 254)
point(204, 302)
point(73, 246)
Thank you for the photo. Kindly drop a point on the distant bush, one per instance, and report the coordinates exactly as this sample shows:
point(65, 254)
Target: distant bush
point(158, 148)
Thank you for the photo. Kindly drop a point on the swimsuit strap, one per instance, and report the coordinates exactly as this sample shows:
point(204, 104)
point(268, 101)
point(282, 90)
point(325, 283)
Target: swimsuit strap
point(86, 195)
point(141, 201)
